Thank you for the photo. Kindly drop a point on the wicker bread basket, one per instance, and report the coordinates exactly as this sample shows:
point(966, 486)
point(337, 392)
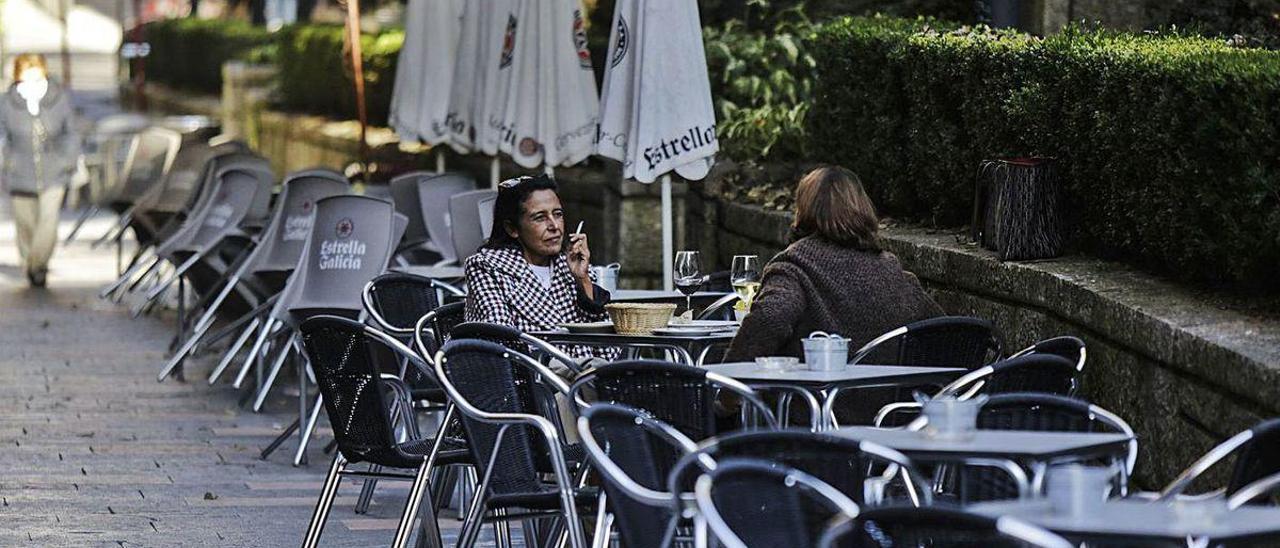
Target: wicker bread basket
point(639, 318)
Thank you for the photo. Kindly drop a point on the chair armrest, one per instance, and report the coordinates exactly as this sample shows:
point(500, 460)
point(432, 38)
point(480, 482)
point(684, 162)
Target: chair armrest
point(896, 407)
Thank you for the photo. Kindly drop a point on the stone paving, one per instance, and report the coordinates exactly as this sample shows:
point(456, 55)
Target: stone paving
point(95, 452)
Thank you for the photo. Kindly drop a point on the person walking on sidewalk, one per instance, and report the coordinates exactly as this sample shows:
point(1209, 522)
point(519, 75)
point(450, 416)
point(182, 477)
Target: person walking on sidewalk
point(39, 158)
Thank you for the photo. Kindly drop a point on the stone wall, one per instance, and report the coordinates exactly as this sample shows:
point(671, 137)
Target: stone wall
point(1185, 373)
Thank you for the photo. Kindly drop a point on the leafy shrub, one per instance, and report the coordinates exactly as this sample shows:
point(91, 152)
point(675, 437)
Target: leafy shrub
point(1167, 143)
point(762, 87)
point(313, 77)
point(189, 52)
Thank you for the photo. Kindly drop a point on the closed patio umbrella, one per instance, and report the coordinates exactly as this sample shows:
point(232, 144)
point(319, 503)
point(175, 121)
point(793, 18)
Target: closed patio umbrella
point(656, 110)
point(424, 72)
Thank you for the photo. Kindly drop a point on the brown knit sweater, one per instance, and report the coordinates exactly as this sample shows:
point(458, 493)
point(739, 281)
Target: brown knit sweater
point(816, 285)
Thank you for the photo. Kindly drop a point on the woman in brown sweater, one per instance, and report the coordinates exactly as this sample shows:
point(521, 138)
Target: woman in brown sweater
point(834, 277)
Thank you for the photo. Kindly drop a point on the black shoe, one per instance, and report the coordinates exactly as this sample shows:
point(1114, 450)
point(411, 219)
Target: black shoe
point(37, 278)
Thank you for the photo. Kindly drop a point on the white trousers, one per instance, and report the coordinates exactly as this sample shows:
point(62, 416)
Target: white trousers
point(36, 219)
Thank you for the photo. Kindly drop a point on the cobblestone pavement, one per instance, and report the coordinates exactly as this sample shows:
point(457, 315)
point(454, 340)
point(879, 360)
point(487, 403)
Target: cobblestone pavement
point(95, 452)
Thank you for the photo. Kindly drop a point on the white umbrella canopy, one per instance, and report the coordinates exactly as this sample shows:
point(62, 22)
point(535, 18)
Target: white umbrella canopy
point(485, 25)
point(424, 72)
point(656, 110)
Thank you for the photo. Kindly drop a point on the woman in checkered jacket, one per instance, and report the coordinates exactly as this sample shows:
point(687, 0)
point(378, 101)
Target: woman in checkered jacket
point(526, 276)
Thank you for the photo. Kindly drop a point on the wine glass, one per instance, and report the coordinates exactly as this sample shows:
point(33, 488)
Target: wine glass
point(687, 275)
point(745, 277)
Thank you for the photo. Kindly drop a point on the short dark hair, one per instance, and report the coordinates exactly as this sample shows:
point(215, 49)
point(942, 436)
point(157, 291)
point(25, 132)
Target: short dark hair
point(831, 204)
point(509, 206)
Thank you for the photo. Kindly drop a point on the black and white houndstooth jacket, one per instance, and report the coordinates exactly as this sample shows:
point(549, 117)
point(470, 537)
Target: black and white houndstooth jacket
point(502, 289)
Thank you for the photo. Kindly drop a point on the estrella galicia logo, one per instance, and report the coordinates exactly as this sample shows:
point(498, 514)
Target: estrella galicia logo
point(508, 43)
point(580, 40)
point(344, 229)
point(529, 147)
point(622, 44)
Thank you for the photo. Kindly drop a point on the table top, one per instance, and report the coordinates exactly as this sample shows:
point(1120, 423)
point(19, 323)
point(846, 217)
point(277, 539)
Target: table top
point(434, 272)
point(750, 372)
point(1134, 518)
point(565, 337)
point(637, 295)
point(1013, 444)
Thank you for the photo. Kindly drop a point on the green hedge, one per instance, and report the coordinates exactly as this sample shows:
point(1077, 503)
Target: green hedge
point(189, 52)
point(1169, 145)
point(314, 79)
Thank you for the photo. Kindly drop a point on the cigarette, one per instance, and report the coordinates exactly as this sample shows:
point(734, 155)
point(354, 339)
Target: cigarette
point(579, 230)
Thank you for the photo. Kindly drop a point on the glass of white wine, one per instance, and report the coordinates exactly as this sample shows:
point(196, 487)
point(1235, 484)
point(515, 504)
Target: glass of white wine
point(745, 277)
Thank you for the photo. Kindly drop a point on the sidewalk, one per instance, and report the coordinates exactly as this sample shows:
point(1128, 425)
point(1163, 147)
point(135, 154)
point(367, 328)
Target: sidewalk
point(94, 452)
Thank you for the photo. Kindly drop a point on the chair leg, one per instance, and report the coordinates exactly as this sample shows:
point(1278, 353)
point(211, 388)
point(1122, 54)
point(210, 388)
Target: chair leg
point(300, 457)
point(366, 491)
point(323, 505)
point(501, 530)
point(430, 531)
point(472, 523)
point(249, 360)
point(285, 350)
point(600, 537)
point(232, 351)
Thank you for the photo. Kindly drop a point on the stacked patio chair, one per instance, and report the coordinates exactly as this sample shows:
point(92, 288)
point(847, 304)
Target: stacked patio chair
point(466, 228)
point(750, 503)
point(151, 153)
point(374, 422)
point(1042, 413)
point(351, 241)
point(261, 275)
point(150, 233)
point(417, 247)
point(438, 324)
point(106, 150)
point(513, 443)
point(945, 341)
point(1257, 455)
point(216, 233)
point(884, 527)
point(1043, 373)
point(679, 395)
point(434, 194)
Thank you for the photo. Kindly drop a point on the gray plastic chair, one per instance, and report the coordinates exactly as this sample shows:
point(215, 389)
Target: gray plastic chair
point(404, 194)
point(278, 249)
point(198, 257)
point(352, 239)
point(150, 156)
point(434, 194)
point(485, 209)
point(468, 233)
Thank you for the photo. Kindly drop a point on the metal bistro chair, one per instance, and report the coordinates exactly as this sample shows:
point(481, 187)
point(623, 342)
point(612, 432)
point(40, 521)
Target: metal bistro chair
point(364, 406)
point(1263, 491)
point(352, 239)
point(634, 454)
point(1257, 452)
point(509, 433)
point(861, 470)
point(1068, 347)
point(1034, 372)
point(754, 503)
point(1041, 413)
point(439, 323)
point(395, 301)
point(892, 527)
point(277, 251)
point(945, 341)
point(464, 211)
point(434, 194)
point(679, 395)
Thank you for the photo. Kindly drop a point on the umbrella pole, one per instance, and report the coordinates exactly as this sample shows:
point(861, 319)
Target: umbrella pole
point(493, 173)
point(357, 74)
point(440, 161)
point(668, 238)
